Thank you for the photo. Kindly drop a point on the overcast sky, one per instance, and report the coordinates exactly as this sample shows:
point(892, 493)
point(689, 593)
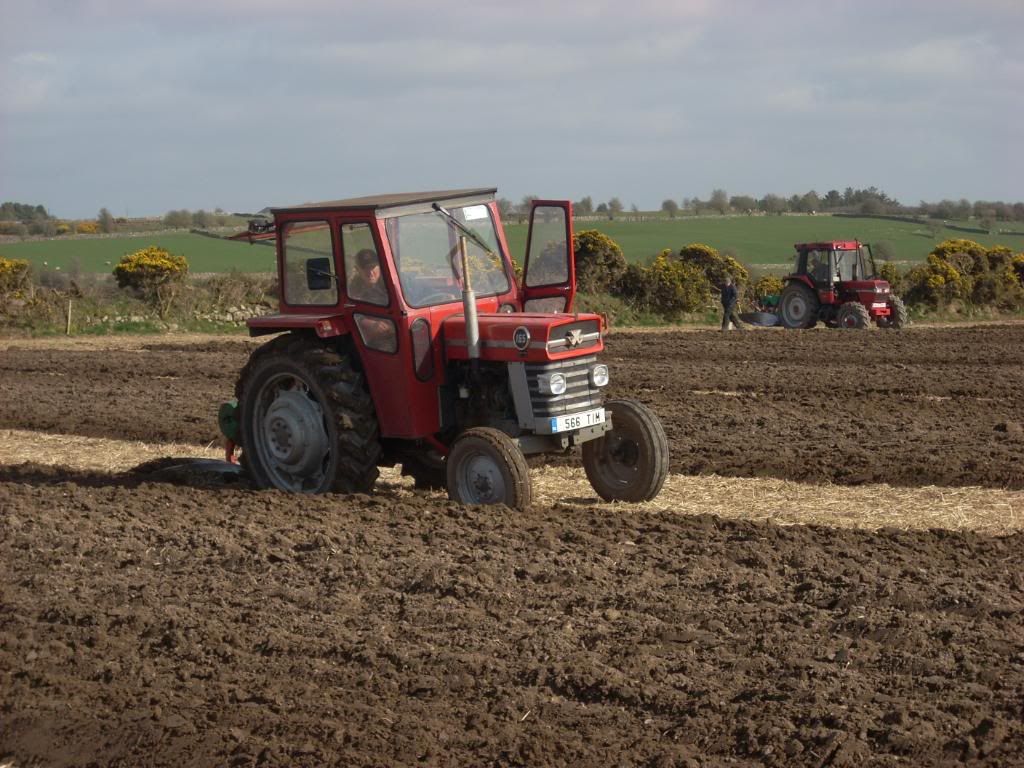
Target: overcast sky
point(145, 105)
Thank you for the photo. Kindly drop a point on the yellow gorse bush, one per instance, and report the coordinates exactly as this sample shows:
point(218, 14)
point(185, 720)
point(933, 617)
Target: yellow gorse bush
point(148, 265)
point(768, 285)
point(154, 274)
point(13, 276)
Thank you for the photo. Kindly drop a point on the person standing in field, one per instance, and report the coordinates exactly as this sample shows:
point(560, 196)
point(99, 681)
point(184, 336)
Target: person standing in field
point(729, 299)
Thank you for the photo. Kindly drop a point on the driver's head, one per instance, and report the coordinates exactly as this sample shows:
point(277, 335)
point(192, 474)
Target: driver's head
point(368, 265)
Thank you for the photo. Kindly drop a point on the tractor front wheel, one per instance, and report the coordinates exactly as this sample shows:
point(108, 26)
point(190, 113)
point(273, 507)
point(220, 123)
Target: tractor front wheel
point(307, 422)
point(853, 314)
point(629, 462)
point(798, 306)
point(897, 315)
point(486, 466)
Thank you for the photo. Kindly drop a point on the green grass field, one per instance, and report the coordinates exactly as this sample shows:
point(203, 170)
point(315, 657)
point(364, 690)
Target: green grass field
point(759, 242)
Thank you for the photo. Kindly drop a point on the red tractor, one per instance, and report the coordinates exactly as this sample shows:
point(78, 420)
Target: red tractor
point(405, 338)
point(834, 282)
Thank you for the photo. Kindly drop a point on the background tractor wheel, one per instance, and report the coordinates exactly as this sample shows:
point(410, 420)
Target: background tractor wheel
point(898, 315)
point(307, 422)
point(853, 314)
point(486, 466)
point(630, 462)
point(798, 306)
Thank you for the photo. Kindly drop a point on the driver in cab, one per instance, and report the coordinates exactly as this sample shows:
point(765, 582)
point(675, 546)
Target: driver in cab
point(365, 283)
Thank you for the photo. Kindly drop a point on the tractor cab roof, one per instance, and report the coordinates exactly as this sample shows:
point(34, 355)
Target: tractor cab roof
point(829, 245)
point(395, 204)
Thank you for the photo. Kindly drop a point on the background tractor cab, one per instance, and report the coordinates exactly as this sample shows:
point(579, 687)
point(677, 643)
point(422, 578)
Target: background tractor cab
point(406, 339)
point(834, 282)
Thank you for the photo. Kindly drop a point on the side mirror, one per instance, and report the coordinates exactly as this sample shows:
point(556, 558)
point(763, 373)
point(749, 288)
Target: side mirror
point(318, 274)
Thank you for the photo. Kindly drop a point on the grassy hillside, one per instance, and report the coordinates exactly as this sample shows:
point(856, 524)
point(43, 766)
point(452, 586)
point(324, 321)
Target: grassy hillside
point(204, 254)
point(765, 240)
point(761, 242)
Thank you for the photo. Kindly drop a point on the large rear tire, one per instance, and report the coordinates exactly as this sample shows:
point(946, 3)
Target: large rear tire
point(486, 466)
point(853, 314)
point(898, 315)
point(307, 422)
point(798, 306)
point(629, 462)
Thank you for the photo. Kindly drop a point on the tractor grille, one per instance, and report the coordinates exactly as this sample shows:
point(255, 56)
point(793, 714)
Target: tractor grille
point(579, 395)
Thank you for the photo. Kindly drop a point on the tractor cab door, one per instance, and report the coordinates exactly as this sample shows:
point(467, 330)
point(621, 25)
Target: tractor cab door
point(549, 274)
point(820, 267)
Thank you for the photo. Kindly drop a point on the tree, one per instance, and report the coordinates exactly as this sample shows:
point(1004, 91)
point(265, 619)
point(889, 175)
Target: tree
point(201, 219)
point(179, 218)
point(719, 201)
point(105, 221)
point(11, 211)
point(585, 206)
point(773, 204)
point(601, 208)
point(614, 207)
point(832, 199)
point(810, 202)
point(743, 203)
point(504, 207)
point(526, 203)
point(671, 207)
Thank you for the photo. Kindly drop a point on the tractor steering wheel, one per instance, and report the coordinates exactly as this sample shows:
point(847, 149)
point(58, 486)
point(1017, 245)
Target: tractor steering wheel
point(437, 297)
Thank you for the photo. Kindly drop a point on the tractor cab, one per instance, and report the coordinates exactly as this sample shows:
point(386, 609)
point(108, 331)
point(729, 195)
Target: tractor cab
point(404, 338)
point(833, 282)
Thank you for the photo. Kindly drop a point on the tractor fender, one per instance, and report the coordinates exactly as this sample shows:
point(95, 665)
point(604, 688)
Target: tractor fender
point(326, 325)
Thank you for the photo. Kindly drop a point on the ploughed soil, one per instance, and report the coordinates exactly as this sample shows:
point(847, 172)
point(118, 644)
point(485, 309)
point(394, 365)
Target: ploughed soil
point(930, 406)
point(145, 623)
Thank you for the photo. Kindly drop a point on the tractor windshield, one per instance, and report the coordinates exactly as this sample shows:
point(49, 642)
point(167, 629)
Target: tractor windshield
point(426, 251)
point(850, 265)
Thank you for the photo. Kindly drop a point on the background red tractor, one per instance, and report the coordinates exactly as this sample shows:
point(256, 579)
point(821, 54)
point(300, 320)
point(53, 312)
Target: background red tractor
point(405, 339)
point(834, 282)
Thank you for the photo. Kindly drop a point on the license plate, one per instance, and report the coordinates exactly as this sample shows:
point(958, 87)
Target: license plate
point(577, 420)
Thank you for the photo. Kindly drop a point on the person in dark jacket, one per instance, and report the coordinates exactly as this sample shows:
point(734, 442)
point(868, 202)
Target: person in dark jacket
point(729, 298)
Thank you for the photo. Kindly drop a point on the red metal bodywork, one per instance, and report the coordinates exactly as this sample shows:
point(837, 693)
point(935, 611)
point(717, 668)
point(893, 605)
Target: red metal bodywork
point(408, 407)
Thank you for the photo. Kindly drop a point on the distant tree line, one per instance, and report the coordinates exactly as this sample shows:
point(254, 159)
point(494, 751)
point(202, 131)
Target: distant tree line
point(23, 212)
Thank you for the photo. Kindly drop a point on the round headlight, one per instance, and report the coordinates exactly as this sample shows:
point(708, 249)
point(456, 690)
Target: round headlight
point(551, 384)
point(599, 375)
point(508, 309)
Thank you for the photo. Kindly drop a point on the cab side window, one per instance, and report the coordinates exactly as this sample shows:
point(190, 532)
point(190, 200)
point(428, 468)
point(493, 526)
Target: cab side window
point(364, 277)
point(308, 258)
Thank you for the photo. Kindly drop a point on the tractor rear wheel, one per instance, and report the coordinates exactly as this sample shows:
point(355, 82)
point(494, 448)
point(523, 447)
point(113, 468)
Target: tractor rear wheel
point(307, 422)
point(798, 306)
point(486, 466)
point(853, 314)
point(898, 315)
point(629, 462)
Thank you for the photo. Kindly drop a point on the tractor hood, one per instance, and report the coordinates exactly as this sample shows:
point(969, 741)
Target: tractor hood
point(519, 337)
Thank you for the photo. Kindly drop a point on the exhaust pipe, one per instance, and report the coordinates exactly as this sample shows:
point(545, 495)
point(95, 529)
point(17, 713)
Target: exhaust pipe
point(469, 306)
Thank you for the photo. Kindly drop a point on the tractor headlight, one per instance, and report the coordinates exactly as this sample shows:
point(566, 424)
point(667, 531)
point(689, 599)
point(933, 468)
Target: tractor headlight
point(599, 375)
point(551, 383)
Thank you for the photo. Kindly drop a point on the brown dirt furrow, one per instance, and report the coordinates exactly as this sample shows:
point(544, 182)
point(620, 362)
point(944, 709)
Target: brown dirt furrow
point(148, 624)
point(929, 406)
